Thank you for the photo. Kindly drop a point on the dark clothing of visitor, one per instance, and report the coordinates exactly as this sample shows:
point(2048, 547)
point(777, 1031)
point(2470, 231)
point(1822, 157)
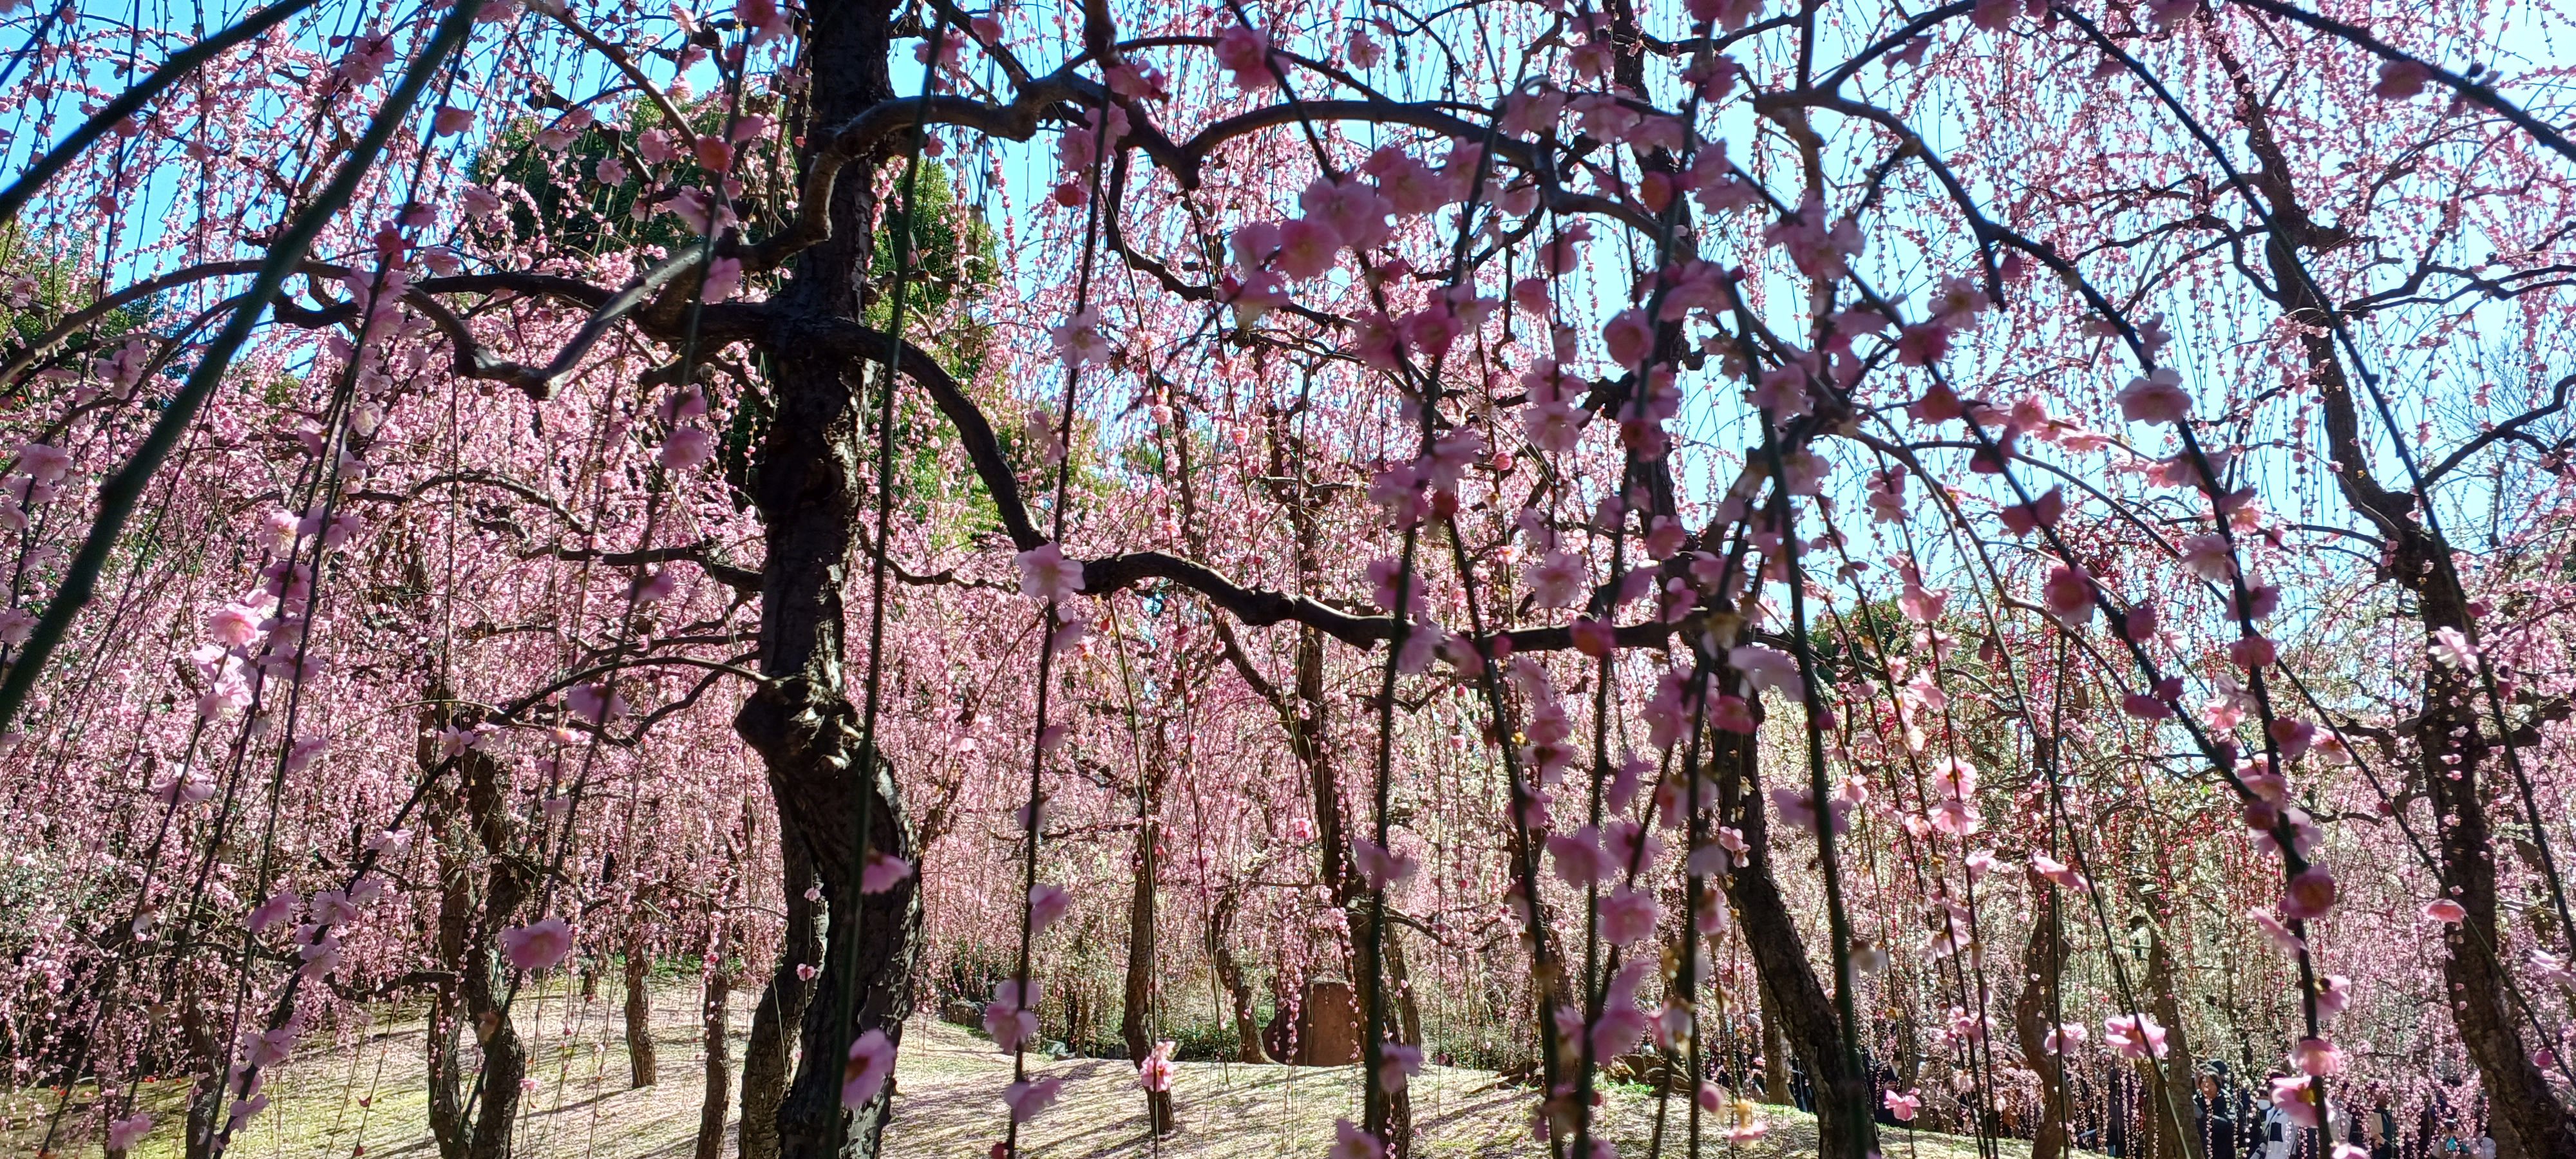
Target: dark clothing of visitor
point(2215, 1120)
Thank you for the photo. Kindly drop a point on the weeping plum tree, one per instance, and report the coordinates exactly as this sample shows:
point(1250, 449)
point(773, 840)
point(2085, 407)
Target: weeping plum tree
point(1719, 480)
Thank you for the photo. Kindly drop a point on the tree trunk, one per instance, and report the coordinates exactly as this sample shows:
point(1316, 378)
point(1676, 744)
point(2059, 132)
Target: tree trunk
point(206, 1100)
point(2525, 1112)
point(1846, 1126)
point(1307, 730)
point(767, 1057)
point(2164, 1097)
point(640, 1058)
point(475, 1125)
point(446, 1074)
point(808, 488)
point(1372, 980)
point(1775, 1051)
point(711, 1113)
point(2035, 1015)
point(447, 1016)
point(1133, 1025)
point(1230, 975)
point(482, 975)
point(870, 944)
point(1399, 978)
point(2524, 1106)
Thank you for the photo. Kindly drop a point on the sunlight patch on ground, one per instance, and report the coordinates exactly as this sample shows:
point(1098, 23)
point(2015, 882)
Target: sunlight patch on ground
point(370, 1093)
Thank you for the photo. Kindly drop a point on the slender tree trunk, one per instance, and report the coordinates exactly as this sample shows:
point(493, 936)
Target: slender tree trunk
point(1133, 1025)
point(475, 1124)
point(446, 1079)
point(483, 976)
point(1369, 982)
point(505, 1063)
point(767, 1058)
point(2449, 734)
point(711, 1112)
point(206, 1100)
point(640, 1059)
point(2035, 1016)
point(1368, 975)
point(457, 907)
point(2164, 1098)
point(1230, 975)
point(1399, 978)
point(205, 1108)
point(1846, 1125)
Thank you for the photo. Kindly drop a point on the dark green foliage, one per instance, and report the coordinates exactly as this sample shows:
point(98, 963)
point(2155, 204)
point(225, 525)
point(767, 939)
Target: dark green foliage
point(60, 286)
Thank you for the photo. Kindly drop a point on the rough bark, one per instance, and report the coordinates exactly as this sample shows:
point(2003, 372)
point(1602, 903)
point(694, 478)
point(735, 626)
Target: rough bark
point(643, 1065)
point(1230, 974)
point(1846, 1125)
point(2164, 1096)
point(808, 489)
point(475, 1124)
point(1134, 1024)
point(206, 1101)
point(768, 1056)
point(2035, 1013)
point(1399, 980)
point(711, 1112)
point(870, 943)
point(1369, 975)
point(446, 1073)
point(2450, 744)
point(1775, 1052)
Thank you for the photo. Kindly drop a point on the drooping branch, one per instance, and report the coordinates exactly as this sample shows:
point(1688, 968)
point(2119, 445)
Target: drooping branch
point(2468, 89)
point(181, 64)
point(2509, 429)
point(1255, 606)
point(122, 491)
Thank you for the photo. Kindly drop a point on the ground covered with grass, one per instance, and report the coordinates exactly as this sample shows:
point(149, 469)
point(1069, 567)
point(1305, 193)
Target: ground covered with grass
point(366, 1097)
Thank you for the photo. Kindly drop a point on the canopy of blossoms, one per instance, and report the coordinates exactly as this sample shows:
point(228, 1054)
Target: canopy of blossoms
point(1964, 547)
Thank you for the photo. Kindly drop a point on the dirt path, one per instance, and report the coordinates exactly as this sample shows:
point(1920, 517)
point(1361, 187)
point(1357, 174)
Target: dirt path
point(365, 1098)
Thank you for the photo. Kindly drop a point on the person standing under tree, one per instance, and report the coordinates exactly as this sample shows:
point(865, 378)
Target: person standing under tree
point(2214, 1116)
point(2378, 1126)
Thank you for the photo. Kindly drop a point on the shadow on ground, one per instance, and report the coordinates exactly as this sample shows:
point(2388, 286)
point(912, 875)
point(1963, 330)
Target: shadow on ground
point(364, 1098)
